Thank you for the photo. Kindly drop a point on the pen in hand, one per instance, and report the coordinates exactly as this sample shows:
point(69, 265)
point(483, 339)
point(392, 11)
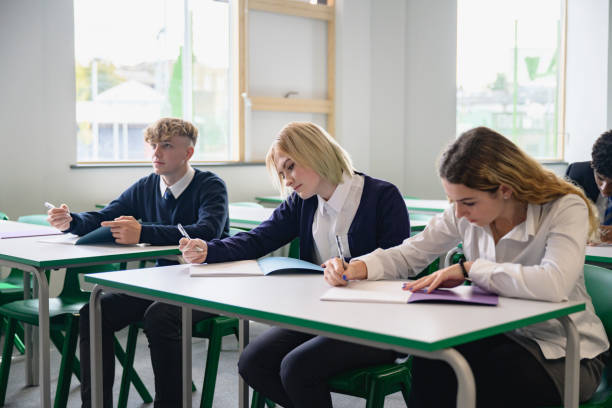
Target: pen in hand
point(341, 253)
point(186, 235)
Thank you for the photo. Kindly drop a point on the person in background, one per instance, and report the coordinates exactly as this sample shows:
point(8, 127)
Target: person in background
point(523, 231)
point(595, 178)
point(174, 193)
point(330, 199)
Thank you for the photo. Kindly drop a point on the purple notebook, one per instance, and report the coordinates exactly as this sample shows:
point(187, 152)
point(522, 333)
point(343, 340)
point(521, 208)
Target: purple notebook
point(476, 295)
point(30, 233)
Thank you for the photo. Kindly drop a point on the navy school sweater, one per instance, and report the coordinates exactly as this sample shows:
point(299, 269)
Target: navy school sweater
point(381, 221)
point(202, 209)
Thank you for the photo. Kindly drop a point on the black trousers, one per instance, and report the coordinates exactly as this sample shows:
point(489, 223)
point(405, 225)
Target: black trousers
point(162, 325)
point(506, 375)
point(292, 368)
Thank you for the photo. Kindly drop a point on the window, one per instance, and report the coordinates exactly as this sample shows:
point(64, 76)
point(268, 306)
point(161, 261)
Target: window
point(510, 57)
point(139, 60)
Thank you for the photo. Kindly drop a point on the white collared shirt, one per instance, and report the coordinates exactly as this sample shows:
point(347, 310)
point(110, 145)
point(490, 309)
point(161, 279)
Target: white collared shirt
point(335, 216)
point(541, 258)
point(178, 187)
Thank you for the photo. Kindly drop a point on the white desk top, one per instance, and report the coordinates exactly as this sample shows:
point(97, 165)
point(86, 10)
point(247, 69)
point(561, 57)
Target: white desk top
point(30, 251)
point(599, 253)
point(13, 226)
point(293, 300)
point(414, 204)
point(250, 217)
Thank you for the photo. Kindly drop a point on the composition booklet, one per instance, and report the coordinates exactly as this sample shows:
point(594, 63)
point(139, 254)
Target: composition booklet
point(391, 292)
point(260, 267)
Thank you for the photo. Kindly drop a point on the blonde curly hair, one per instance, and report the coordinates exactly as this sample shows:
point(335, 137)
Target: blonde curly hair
point(166, 128)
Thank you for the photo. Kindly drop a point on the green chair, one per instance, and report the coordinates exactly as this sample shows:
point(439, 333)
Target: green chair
point(598, 282)
point(64, 323)
point(3, 216)
point(64, 318)
point(38, 219)
point(213, 329)
point(372, 383)
point(11, 289)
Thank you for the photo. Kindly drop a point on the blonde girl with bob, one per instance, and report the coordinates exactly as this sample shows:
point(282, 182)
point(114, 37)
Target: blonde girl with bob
point(523, 231)
point(328, 198)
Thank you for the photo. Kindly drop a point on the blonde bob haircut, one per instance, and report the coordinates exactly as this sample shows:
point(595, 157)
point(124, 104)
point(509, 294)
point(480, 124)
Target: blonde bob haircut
point(482, 159)
point(310, 146)
point(165, 129)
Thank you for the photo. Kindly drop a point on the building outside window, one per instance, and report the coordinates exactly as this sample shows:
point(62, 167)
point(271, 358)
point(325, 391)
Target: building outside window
point(510, 71)
point(139, 60)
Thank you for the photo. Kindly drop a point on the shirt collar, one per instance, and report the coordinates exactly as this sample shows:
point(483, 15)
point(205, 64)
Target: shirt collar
point(180, 186)
point(338, 197)
point(528, 228)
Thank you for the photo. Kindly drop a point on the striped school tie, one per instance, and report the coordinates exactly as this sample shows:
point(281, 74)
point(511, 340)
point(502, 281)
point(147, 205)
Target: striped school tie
point(607, 220)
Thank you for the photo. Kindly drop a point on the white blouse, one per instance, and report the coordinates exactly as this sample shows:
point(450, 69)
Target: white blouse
point(335, 216)
point(542, 258)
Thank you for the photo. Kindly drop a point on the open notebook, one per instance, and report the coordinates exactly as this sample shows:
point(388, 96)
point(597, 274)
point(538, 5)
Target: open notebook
point(391, 292)
point(259, 267)
point(35, 232)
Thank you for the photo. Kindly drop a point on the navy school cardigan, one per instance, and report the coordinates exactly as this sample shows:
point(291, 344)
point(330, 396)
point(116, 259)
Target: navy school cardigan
point(381, 221)
point(202, 209)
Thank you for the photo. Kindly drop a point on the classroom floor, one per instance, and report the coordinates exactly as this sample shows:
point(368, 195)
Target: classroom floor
point(226, 391)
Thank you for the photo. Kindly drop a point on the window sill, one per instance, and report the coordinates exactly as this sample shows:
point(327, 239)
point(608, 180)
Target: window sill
point(94, 165)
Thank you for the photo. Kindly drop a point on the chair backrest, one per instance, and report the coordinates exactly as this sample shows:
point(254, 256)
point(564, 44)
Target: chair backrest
point(598, 282)
point(3, 216)
point(39, 219)
point(72, 287)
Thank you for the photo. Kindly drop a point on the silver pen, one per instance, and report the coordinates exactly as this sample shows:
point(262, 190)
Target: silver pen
point(186, 235)
point(182, 231)
point(340, 250)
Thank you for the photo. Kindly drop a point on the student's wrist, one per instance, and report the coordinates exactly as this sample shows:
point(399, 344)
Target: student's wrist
point(360, 269)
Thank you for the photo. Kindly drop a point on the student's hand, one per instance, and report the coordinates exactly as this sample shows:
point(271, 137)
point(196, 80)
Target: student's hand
point(125, 229)
point(444, 278)
point(336, 275)
point(605, 233)
point(194, 250)
point(59, 217)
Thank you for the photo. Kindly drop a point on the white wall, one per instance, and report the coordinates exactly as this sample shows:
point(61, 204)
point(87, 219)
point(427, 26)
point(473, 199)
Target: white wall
point(588, 98)
point(353, 79)
point(395, 89)
point(37, 119)
point(431, 43)
point(388, 95)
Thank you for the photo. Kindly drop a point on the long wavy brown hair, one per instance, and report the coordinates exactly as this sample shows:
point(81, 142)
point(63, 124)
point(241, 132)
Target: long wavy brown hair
point(483, 159)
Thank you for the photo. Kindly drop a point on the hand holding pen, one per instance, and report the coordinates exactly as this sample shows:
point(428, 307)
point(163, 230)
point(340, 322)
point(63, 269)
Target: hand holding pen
point(338, 273)
point(194, 250)
point(58, 217)
point(334, 272)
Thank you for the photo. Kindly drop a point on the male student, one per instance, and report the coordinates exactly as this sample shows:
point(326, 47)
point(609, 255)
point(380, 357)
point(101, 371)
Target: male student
point(595, 178)
point(174, 193)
